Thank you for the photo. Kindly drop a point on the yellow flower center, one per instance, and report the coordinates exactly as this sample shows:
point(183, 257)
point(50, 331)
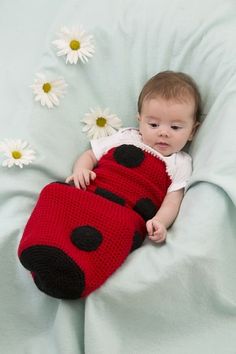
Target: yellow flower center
point(16, 154)
point(101, 122)
point(74, 44)
point(47, 87)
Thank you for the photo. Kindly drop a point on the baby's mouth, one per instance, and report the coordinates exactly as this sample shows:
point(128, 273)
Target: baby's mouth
point(162, 144)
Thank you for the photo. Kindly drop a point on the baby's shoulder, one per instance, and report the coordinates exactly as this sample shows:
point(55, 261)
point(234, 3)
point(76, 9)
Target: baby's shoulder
point(129, 130)
point(129, 135)
point(183, 158)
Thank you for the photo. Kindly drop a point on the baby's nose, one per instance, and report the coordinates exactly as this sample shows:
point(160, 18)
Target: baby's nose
point(163, 132)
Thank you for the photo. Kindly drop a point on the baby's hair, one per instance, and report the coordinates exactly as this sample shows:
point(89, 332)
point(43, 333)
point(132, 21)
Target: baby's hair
point(171, 85)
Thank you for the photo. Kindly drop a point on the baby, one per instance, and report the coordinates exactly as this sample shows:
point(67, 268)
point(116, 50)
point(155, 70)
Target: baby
point(127, 185)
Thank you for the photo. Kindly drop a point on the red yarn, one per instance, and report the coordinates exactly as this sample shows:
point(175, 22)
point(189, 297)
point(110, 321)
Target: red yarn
point(118, 229)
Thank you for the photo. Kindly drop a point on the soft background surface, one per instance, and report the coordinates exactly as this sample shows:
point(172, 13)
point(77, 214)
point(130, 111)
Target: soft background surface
point(173, 299)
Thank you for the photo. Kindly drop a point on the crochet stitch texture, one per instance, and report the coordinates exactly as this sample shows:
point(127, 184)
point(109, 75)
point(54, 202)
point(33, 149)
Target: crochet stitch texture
point(75, 239)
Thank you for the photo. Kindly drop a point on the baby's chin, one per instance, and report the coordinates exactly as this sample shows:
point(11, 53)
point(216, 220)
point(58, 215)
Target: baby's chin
point(163, 149)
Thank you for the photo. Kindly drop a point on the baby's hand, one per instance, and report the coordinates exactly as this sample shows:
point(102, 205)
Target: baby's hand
point(81, 178)
point(156, 231)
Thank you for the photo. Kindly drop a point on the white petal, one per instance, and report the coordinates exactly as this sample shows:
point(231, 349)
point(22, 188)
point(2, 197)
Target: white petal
point(63, 44)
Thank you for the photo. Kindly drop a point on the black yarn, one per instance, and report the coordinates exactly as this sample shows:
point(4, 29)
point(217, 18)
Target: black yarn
point(110, 196)
point(137, 241)
point(129, 155)
point(86, 238)
point(55, 273)
point(145, 208)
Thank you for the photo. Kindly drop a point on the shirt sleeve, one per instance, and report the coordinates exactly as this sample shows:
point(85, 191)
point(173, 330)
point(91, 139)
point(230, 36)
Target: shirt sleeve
point(182, 173)
point(102, 145)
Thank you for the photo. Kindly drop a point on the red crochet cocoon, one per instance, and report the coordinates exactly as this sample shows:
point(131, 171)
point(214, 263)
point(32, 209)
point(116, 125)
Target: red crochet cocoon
point(75, 239)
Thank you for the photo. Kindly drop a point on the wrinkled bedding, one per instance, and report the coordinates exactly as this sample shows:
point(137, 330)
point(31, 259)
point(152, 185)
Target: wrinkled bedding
point(172, 299)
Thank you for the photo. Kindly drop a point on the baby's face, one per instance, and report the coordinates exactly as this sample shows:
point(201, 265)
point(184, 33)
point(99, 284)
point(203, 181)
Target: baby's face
point(167, 125)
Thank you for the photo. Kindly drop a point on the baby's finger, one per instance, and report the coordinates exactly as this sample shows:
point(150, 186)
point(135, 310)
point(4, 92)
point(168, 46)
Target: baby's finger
point(155, 239)
point(86, 178)
point(161, 238)
point(93, 175)
point(82, 182)
point(149, 227)
point(76, 183)
point(157, 233)
point(68, 179)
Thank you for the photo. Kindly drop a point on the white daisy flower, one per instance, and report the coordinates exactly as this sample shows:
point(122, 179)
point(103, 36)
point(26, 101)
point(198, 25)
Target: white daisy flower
point(100, 123)
point(18, 153)
point(75, 44)
point(48, 92)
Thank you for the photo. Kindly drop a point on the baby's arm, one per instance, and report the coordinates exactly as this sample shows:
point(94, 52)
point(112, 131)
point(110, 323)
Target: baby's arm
point(158, 225)
point(82, 171)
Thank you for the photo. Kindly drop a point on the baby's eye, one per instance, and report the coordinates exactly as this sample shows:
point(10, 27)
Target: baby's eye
point(153, 125)
point(176, 127)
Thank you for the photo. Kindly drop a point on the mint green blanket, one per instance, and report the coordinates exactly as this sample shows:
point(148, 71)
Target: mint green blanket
point(178, 298)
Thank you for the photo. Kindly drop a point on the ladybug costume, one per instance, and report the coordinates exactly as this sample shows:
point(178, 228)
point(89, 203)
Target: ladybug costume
point(75, 239)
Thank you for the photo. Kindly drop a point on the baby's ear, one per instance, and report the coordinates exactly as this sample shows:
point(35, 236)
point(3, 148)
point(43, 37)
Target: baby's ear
point(195, 128)
point(138, 116)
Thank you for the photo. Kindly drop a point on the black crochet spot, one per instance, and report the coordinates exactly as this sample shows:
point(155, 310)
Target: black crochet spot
point(54, 272)
point(86, 238)
point(129, 155)
point(146, 208)
point(110, 196)
point(137, 241)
